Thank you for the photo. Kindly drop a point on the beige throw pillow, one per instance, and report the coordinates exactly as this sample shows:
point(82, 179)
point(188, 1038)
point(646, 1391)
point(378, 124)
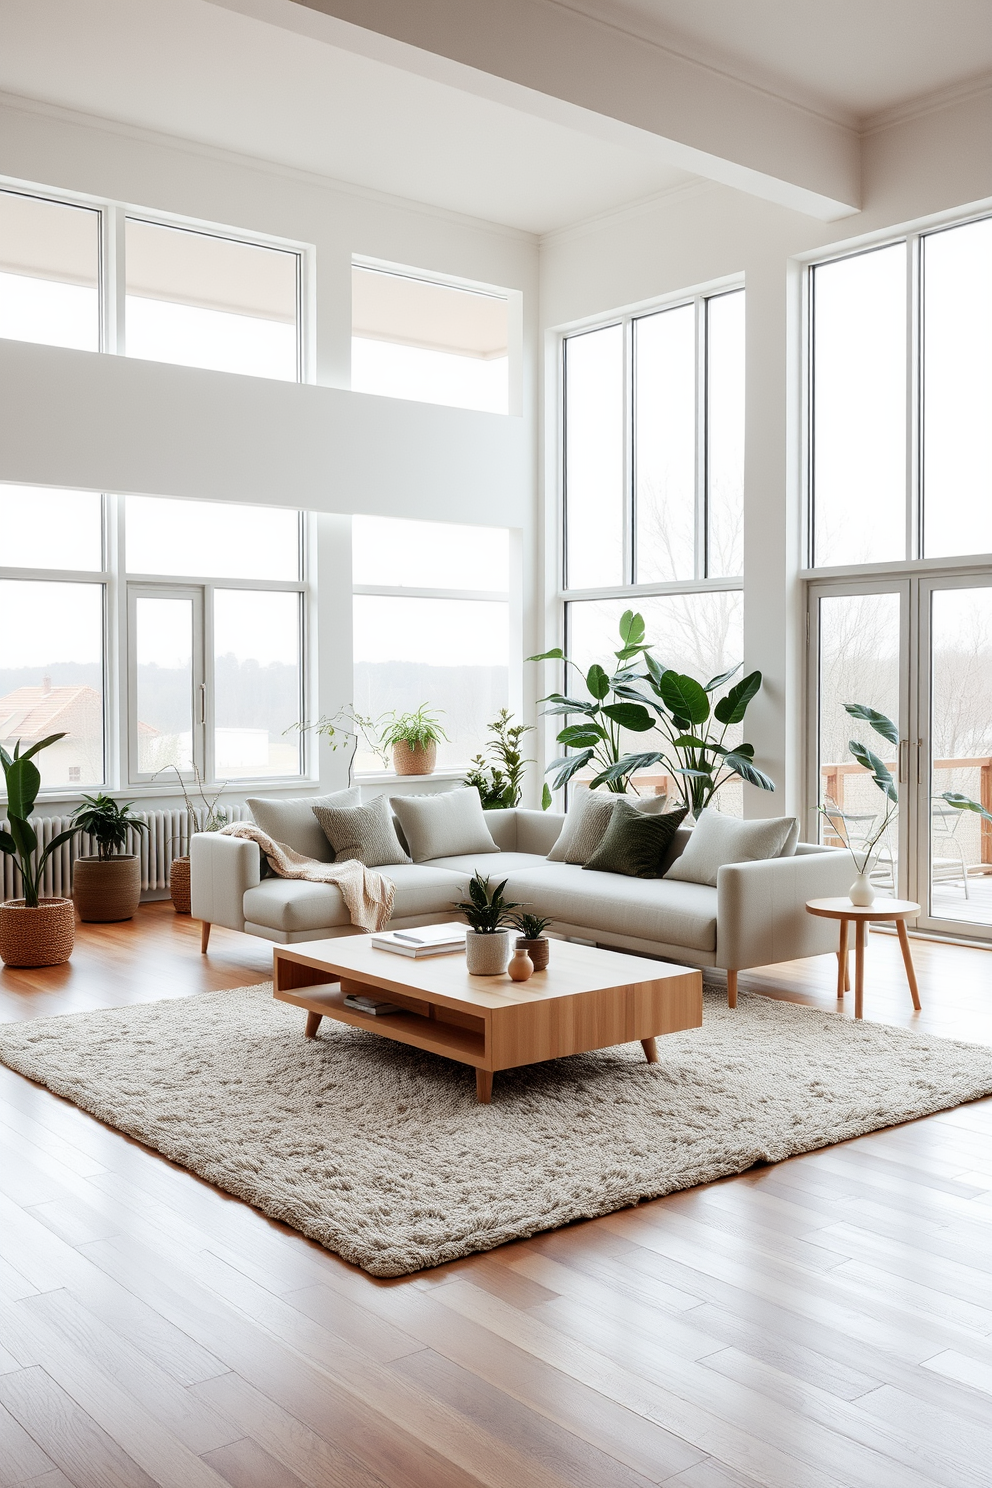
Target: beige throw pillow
point(445, 825)
point(291, 820)
point(363, 832)
point(587, 820)
point(717, 840)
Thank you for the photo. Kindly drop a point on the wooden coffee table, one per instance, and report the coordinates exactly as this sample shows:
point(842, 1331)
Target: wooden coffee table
point(587, 999)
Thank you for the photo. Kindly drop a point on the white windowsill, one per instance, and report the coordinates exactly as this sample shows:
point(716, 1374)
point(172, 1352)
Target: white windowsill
point(389, 777)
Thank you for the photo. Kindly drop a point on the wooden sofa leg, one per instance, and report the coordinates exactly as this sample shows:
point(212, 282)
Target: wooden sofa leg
point(204, 936)
point(731, 989)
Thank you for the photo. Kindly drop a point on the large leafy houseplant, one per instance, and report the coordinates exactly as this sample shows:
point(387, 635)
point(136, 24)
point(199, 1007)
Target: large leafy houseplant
point(33, 931)
point(640, 695)
point(108, 823)
point(499, 780)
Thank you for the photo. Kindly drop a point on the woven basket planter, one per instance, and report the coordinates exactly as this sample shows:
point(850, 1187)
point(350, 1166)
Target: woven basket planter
point(539, 951)
point(179, 884)
point(36, 937)
point(407, 761)
point(105, 889)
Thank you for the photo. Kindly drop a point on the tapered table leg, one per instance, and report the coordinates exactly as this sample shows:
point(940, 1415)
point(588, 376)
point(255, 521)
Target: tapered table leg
point(859, 968)
point(908, 960)
point(842, 968)
point(650, 1047)
point(484, 1086)
point(313, 1023)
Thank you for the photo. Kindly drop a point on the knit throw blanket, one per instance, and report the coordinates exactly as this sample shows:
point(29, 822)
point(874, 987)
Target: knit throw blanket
point(368, 895)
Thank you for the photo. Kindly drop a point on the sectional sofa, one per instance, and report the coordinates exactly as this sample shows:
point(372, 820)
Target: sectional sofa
point(754, 916)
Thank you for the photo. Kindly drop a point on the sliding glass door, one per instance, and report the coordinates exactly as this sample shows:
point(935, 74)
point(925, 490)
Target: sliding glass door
point(917, 650)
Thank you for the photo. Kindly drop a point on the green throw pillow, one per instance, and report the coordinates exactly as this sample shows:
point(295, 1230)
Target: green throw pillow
point(634, 843)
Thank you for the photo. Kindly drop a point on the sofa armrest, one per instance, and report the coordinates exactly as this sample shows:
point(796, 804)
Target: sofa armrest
point(761, 915)
point(220, 870)
point(538, 831)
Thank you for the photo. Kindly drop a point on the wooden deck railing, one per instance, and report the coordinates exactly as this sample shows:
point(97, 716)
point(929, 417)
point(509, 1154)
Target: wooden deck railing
point(834, 777)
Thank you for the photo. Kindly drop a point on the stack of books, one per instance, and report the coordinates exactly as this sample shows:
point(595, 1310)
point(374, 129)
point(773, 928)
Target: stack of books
point(424, 940)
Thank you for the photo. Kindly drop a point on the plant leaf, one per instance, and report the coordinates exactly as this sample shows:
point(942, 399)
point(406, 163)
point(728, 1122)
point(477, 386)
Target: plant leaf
point(629, 765)
point(546, 798)
point(684, 697)
point(880, 772)
point(568, 765)
point(965, 803)
point(580, 734)
point(742, 766)
point(732, 707)
point(7, 843)
point(632, 628)
point(23, 785)
point(716, 682)
point(42, 744)
point(633, 716)
point(555, 654)
point(597, 681)
point(878, 721)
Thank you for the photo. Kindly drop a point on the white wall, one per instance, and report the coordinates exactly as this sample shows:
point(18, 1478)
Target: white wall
point(916, 169)
point(100, 422)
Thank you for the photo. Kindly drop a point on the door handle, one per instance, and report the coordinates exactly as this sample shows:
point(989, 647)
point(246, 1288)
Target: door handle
point(903, 771)
point(203, 703)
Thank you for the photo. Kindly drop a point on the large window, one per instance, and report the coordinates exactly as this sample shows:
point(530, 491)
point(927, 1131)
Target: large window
point(191, 617)
point(653, 483)
point(194, 296)
point(414, 337)
point(431, 627)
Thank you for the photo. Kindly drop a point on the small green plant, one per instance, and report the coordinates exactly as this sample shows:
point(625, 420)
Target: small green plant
point(486, 910)
point(531, 926)
point(499, 779)
point(418, 729)
point(23, 780)
point(880, 774)
point(108, 822)
point(345, 728)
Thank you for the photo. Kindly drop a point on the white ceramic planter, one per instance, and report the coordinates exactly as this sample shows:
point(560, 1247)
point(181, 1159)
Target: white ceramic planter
point(487, 955)
point(862, 891)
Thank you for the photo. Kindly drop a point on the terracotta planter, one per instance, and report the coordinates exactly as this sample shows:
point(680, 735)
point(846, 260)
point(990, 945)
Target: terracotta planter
point(179, 884)
point(410, 761)
point(36, 937)
point(487, 955)
point(106, 889)
point(538, 951)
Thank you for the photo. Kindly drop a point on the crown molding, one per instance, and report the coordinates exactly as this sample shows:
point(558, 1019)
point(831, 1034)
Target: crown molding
point(18, 103)
point(627, 211)
point(926, 103)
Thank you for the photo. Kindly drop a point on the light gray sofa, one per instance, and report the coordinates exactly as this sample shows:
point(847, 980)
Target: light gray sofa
point(754, 917)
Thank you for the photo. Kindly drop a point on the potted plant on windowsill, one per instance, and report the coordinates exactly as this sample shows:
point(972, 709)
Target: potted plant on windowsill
point(107, 886)
point(487, 940)
point(532, 939)
point(499, 779)
point(33, 931)
point(413, 738)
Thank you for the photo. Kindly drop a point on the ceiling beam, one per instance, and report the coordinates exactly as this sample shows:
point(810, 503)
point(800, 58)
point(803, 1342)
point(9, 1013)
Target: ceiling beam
point(544, 59)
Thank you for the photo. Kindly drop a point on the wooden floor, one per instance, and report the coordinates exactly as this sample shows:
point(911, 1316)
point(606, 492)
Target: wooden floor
point(824, 1323)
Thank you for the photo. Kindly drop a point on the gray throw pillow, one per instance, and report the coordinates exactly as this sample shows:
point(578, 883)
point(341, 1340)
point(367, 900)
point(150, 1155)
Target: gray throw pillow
point(363, 832)
point(717, 840)
point(445, 825)
point(587, 820)
point(636, 841)
point(291, 820)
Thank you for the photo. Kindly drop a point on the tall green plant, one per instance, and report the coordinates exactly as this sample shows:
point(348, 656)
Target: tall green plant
point(23, 780)
point(657, 700)
point(880, 774)
point(499, 780)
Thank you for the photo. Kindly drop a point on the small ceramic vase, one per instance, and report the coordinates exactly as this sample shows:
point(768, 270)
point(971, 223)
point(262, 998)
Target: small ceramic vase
point(521, 967)
point(862, 891)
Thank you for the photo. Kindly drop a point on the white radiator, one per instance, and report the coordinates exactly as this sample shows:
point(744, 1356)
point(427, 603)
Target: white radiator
point(167, 838)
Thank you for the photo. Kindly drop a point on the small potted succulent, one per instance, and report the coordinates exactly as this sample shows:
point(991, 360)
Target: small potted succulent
point(487, 940)
point(532, 938)
point(107, 885)
point(413, 738)
point(33, 931)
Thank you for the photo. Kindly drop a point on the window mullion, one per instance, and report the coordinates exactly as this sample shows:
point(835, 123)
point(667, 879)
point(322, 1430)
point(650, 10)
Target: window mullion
point(701, 561)
point(629, 504)
point(914, 398)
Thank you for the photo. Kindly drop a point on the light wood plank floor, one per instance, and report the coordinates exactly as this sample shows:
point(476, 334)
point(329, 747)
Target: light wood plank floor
point(825, 1323)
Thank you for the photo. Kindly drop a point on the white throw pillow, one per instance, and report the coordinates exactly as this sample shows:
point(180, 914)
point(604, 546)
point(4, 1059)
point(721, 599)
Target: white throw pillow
point(291, 820)
point(587, 820)
point(717, 840)
point(445, 825)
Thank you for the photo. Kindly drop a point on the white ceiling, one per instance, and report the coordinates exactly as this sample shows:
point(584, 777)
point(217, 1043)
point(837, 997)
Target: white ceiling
point(204, 73)
point(851, 58)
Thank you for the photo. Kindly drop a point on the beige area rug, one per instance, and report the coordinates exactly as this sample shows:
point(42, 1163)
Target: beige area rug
point(382, 1153)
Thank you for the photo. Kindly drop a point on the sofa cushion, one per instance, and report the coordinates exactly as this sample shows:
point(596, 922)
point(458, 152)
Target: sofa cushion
point(291, 820)
point(588, 820)
point(294, 904)
point(364, 832)
point(717, 840)
point(636, 842)
point(682, 914)
point(444, 825)
point(491, 865)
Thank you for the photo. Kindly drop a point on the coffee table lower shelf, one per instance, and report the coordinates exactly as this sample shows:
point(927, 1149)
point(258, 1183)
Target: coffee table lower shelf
point(588, 1000)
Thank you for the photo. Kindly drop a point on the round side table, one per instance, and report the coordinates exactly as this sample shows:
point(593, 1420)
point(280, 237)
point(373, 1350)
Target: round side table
point(899, 910)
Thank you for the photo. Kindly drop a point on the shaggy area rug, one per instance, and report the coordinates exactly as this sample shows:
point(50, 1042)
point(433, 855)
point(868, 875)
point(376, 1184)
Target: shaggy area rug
point(382, 1153)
